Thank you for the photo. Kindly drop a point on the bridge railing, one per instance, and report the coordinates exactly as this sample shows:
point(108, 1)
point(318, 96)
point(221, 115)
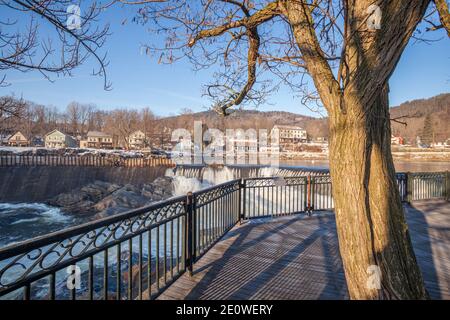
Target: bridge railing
point(428, 185)
point(275, 196)
point(214, 211)
point(133, 255)
point(137, 254)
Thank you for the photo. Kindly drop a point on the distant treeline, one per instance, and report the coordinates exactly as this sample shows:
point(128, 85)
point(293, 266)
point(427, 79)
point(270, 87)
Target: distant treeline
point(77, 119)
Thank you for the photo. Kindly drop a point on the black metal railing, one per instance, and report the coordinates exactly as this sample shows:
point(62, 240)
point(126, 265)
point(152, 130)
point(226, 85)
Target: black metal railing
point(402, 183)
point(427, 185)
point(133, 255)
point(137, 254)
point(215, 211)
point(125, 256)
point(321, 193)
point(274, 196)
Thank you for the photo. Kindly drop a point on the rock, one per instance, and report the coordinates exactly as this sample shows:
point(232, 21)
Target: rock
point(82, 200)
point(147, 190)
point(105, 199)
point(124, 197)
point(162, 188)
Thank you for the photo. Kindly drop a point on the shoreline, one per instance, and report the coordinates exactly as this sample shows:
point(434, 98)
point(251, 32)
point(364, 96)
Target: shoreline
point(398, 156)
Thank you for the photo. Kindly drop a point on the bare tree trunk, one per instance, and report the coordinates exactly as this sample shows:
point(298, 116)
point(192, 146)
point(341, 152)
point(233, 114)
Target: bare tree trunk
point(373, 234)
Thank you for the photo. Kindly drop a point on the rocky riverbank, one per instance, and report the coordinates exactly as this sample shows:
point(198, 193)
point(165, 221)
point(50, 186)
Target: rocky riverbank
point(101, 199)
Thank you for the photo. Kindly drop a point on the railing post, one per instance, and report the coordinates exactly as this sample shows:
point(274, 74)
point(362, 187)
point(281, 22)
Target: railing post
point(190, 250)
point(409, 187)
point(309, 194)
point(305, 199)
point(447, 185)
point(241, 200)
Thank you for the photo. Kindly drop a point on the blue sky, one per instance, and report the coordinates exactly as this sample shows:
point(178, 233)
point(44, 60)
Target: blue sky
point(138, 80)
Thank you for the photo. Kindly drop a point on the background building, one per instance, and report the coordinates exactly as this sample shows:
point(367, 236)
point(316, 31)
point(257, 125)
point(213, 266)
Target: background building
point(290, 136)
point(137, 140)
point(97, 140)
point(397, 140)
point(18, 139)
point(57, 139)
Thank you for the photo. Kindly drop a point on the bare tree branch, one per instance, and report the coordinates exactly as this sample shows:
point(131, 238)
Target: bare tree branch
point(23, 49)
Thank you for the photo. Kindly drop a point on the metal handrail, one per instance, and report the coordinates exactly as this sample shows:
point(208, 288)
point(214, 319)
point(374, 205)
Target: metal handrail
point(40, 241)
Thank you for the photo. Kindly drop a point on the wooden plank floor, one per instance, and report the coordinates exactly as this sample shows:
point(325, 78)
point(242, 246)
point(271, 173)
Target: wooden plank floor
point(297, 257)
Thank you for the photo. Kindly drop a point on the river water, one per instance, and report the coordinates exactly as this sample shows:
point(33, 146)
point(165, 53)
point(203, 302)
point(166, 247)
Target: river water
point(21, 221)
point(400, 166)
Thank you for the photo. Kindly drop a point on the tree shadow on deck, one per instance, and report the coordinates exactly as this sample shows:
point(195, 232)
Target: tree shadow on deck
point(335, 271)
point(430, 235)
point(292, 259)
point(298, 258)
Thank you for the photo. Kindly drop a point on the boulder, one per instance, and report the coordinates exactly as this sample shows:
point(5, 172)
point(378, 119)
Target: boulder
point(105, 199)
point(82, 200)
point(125, 197)
point(161, 188)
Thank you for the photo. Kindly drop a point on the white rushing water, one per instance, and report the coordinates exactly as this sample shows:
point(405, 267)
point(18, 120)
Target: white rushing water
point(21, 221)
point(192, 178)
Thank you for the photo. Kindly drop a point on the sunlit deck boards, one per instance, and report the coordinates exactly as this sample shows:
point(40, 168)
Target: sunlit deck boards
point(297, 258)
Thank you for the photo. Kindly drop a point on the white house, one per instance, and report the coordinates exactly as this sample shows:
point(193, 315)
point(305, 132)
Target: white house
point(57, 139)
point(242, 143)
point(137, 140)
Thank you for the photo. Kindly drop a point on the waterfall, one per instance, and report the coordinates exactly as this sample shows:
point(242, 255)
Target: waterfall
point(194, 178)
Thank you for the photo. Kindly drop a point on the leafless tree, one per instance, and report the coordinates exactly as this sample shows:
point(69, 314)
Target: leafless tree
point(86, 111)
point(25, 47)
point(121, 123)
point(73, 117)
point(11, 109)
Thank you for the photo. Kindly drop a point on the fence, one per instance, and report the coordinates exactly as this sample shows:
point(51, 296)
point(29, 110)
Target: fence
point(274, 196)
point(428, 185)
point(137, 254)
point(81, 160)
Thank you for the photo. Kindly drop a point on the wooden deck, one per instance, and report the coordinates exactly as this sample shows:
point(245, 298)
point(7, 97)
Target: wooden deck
point(297, 257)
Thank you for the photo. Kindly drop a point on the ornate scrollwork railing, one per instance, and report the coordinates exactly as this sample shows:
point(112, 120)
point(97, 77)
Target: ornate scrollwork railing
point(29, 261)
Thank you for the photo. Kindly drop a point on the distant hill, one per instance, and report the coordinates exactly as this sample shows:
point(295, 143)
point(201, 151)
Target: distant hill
point(413, 113)
point(245, 119)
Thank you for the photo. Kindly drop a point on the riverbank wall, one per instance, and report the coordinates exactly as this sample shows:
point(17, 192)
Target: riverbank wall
point(38, 184)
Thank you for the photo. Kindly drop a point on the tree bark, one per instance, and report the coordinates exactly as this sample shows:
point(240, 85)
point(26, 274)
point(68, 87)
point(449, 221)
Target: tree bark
point(371, 225)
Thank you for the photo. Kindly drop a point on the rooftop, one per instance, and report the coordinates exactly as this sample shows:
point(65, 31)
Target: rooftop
point(97, 134)
point(288, 127)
